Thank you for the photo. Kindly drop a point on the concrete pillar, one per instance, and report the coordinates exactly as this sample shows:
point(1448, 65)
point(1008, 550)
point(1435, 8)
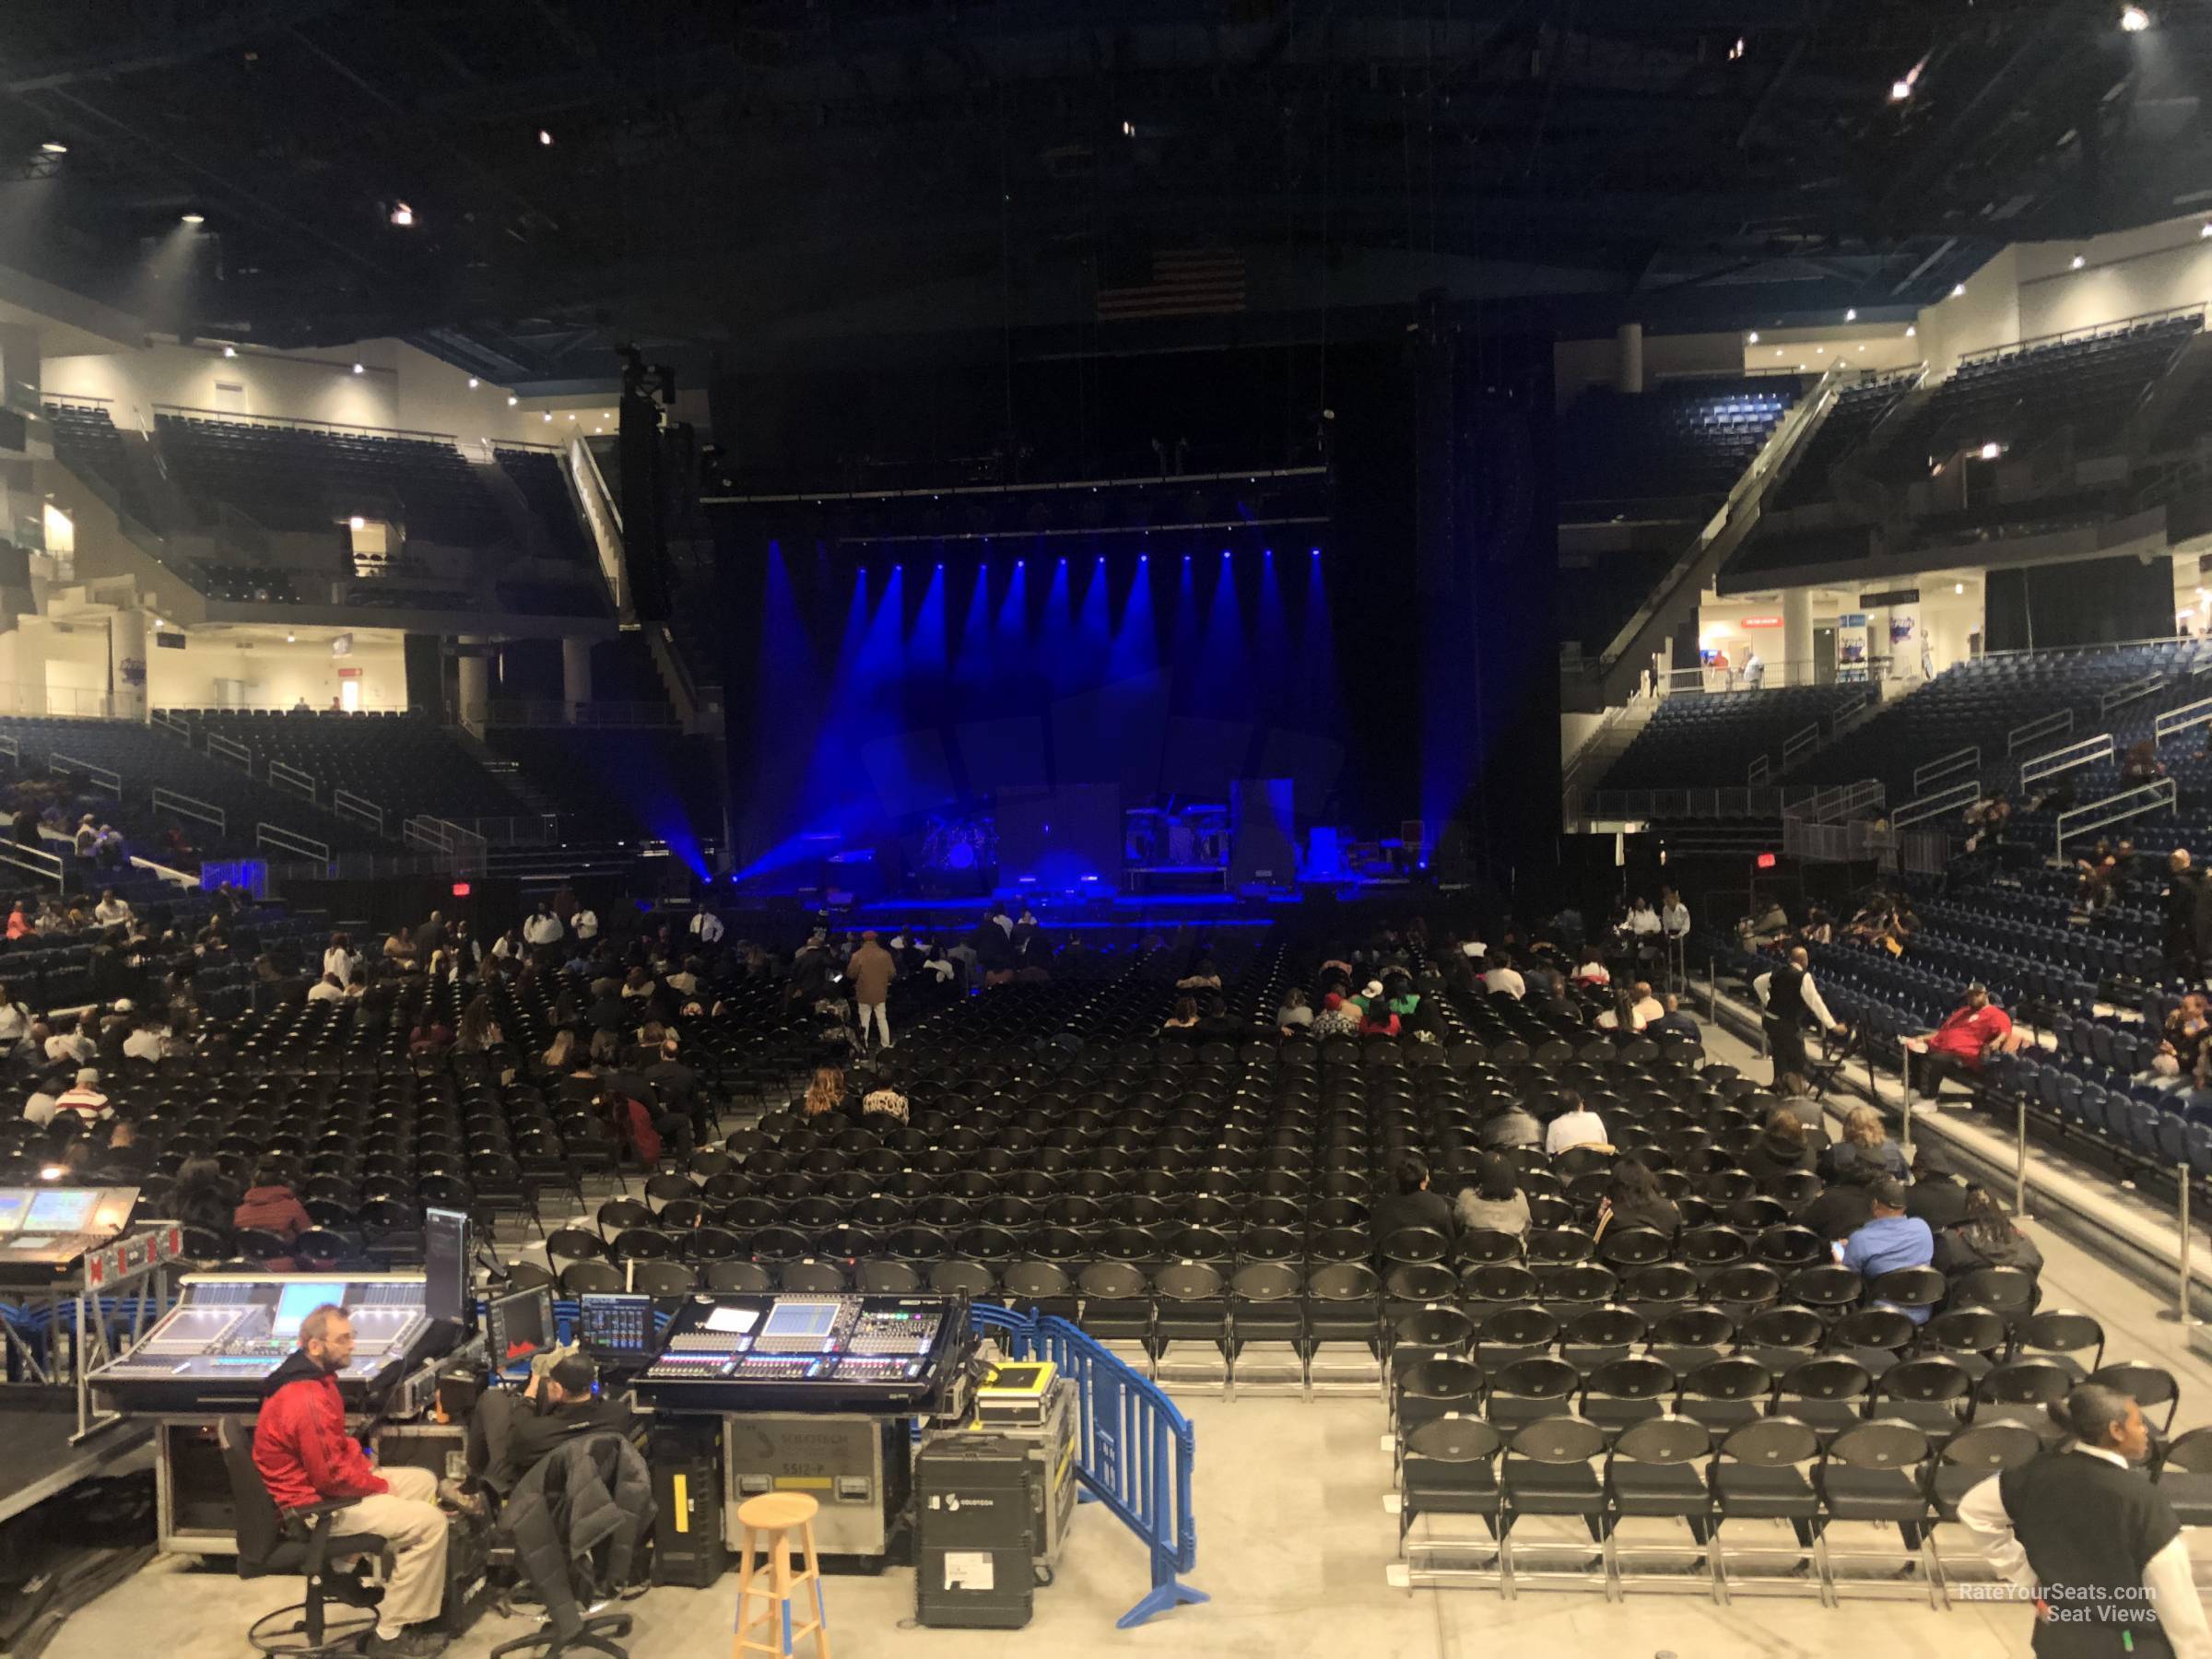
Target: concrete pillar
point(474, 685)
point(575, 674)
point(1627, 372)
point(127, 664)
point(1796, 637)
point(21, 367)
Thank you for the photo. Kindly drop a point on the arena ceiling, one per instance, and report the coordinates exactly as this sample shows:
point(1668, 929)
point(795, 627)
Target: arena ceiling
point(787, 177)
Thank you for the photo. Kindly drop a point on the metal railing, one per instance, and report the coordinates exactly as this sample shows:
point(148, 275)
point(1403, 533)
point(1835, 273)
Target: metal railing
point(1836, 843)
point(278, 839)
point(2035, 731)
point(1766, 803)
point(12, 750)
point(2057, 760)
point(2089, 331)
point(238, 417)
point(1795, 749)
point(222, 748)
point(603, 517)
point(46, 866)
point(1958, 797)
point(1943, 766)
point(161, 720)
point(2180, 719)
point(2153, 796)
point(346, 804)
point(1840, 801)
point(99, 777)
point(2108, 701)
point(442, 835)
point(1756, 773)
point(192, 807)
point(293, 779)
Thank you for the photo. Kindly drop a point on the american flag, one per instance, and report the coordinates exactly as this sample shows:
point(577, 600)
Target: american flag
point(1185, 282)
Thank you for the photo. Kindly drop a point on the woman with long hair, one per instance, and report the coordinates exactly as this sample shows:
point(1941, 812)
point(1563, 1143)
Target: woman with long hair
point(478, 1031)
point(1866, 1152)
point(1495, 1203)
point(561, 1053)
point(1985, 1237)
point(826, 1092)
point(1634, 1198)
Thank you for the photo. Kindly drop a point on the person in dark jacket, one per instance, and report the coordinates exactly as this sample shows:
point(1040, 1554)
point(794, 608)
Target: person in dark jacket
point(1633, 1199)
point(1413, 1204)
point(1865, 1152)
point(203, 1195)
point(590, 1497)
point(1936, 1197)
point(1843, 1208)
point(305, 1457)
point(1511, 1129)
point(1984, 1236)
point(510, 1432)
point(1782, 1149)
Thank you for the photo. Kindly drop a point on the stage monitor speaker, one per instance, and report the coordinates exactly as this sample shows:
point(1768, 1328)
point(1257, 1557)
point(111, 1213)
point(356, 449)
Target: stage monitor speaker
point(1264, 832)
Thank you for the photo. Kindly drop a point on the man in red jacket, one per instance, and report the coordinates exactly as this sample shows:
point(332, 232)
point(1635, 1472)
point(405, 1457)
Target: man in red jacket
point(305, 1457)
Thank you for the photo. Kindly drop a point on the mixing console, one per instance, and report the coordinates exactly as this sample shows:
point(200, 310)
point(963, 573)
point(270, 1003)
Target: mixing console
point(824, 1353)
point(230, 1331)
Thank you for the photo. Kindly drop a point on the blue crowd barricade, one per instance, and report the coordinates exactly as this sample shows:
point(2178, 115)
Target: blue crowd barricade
point(1135, 1451)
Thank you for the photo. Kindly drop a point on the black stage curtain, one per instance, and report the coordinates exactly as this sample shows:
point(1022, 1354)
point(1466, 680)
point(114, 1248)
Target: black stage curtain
point(2090, 602)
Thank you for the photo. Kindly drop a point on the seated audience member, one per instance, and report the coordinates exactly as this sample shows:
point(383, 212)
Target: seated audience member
point(1592, 968)
point(149, 1040)
point(1336, 1019)
point(329, 988)
point(2142, 765)
point(1504, 979)
point(19, 924)
point(77, 1043)
point(111, 912)
point(1673, 1022)
point(1511, 1129)
point(126, 1159)
point(1294, 1016)
point(1843, 1206)
point(1797, 1099)
point(1647, 1007)
point(1184, 1018)
point(1204, 977)
point(203, 1195)
point(1865, 1149)
point(84, 1097)
point(512, 1431)
point(824, 1093)
point(1936, 1197)
point(2182, 1041)
point(1576, 1126)
point(1380, 1022)
point(884, 1110)
point(1783, 1148)
point(306, 1457)
point(1633, 1199)
point(1413, 1204)
point(271, 1205)
point(1889, 1240)
point(1495, 1203)
point(1969, 1034)
point(1984, 1236)
point(15, 1017)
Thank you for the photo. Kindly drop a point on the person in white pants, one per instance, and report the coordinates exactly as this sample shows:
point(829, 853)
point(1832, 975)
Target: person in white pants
point(872, 968)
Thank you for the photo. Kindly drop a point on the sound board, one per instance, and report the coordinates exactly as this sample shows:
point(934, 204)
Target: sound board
point(45, 1232)
point(228, 1330)
point(807, 1353)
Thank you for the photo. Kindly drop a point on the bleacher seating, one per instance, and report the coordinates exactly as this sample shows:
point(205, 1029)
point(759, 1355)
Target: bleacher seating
point(242, 584)
point(1711, 738)
point(538, 474)
point(2021, 396)
point(406, 764)
point(1684, 440)
point(291, 479)
point(1854, 414)
point(86, 441)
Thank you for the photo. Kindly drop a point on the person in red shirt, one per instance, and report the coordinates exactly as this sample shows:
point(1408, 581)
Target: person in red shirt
point(306, 1457)
point(1971, 1031)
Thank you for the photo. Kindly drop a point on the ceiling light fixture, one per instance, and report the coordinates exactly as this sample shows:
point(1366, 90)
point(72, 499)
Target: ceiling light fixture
point(1753, 336)
point(472, 382)
point(1958, 587)
point(512, 400)
point(1910, 330)
point(1851, 315)
point(196, 218)
point(51, 148)
point(358, 522)
point(544, 137)
point(1990, 451)
point(1957, 291)
point(359, 370)
point(230, 351)
point(2079, 261)
point(291, 638)
point(548, 415)
point(2134, 19)
point(402, 214)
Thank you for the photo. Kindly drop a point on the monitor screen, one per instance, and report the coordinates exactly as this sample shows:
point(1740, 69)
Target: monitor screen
point(63, 1209)
point(445, 1267)
point(616, 1325)
point(14, 1203)
point(295, 1302)
point(798, 1327)
point(517, 1327)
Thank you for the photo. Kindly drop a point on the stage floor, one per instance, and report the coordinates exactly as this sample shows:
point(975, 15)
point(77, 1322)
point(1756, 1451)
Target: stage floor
point(36, 1458)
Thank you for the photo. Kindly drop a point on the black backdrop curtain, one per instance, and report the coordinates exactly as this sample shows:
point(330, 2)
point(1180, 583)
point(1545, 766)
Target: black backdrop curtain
point(2090, 602)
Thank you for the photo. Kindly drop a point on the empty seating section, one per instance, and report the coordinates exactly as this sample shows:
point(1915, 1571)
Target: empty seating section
point(1711, 738)
point(2021, 396)
point(243, 585)
point(1849, 419)
point(624, 781)
point(406, 764)
point(538, 474)
point(147, 758)
point(1680, 441)
point(1978, 704)
point(290, 478)
point(86, 441)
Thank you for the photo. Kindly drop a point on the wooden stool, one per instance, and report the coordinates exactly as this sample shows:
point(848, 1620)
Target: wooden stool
point(767, 1520)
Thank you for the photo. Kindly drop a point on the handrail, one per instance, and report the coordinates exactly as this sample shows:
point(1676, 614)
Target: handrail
point(2086, 332)
point(1803, 744)
point(165, 721)
point(1927, 807)
point(75, 397)
point(192, 807)
point(603, 517)
point(286, 840)
point(346, 804)
point(11, 748)
point(1944, 765)
point(293, 779)
point(2180, 719)
point(100, 776)
point(36, 860)
point(1757, 772)
point(2051, 764)
point(2050, 725)
point(2115, 809)
point(2108, 701)
point(1840, 801)
point(237, 753)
